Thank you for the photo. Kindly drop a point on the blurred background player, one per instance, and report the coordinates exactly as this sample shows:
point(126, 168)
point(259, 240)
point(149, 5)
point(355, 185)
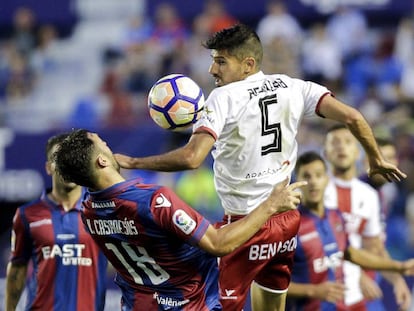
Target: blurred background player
point(390, 195)
point(360, 205)
point(323, 245)
point(251, 120)
point(388, 192)
point(69, 270)
point(149, 234)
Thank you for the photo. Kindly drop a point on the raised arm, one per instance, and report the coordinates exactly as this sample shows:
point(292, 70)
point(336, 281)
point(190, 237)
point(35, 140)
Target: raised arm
point(190, 156)
point(224, 240)
point(15, 281)
point(334, 109)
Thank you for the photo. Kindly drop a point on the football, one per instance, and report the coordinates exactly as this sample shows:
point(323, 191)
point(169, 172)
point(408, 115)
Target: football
point(175, 102)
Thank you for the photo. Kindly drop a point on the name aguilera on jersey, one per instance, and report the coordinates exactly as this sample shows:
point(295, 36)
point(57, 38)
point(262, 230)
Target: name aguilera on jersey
point(268, 85)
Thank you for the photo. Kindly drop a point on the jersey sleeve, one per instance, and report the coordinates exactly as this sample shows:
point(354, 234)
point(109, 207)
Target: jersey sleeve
point(21, 243)
point(177, 217)
point(213, 117)
point(312, 94)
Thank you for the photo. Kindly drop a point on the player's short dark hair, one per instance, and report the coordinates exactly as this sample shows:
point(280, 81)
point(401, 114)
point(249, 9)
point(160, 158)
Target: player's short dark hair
point(52, 142)
point(308, 157)
point(239, 40)
point(337, 126)
point(74, 158)
point(382, 141)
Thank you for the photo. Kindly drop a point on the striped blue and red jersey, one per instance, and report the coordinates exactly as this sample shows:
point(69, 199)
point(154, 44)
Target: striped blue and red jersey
point(69, 270)
point(322, 242)
point(150, 235)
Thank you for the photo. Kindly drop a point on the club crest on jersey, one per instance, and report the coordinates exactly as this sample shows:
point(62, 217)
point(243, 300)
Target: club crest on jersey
point(183, 221)
point(162, 201)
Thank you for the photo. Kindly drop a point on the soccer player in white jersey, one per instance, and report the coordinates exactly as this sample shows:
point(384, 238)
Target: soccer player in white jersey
point(251, 120)
point(360, 205)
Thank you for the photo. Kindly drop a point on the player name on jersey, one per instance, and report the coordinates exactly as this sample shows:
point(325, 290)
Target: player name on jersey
point(111, 226)
point(268, 85)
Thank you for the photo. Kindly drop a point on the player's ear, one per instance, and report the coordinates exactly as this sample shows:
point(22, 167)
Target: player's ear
point(249, 64)
point(102, 161)
point(48, 167)
point(324, 153)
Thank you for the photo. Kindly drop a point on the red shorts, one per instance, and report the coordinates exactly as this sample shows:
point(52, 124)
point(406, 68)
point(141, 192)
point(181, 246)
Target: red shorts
point(267, 259)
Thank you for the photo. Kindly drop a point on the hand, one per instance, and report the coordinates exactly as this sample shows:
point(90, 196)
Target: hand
point(402, 294)
point(389, 171)
point(286, 197)
point(330, 291)
point(408, 267)
point(369, 288)
point(124, 161)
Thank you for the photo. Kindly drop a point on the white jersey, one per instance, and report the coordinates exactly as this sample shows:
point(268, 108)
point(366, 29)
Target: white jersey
point(360, 206)
point(255, 122)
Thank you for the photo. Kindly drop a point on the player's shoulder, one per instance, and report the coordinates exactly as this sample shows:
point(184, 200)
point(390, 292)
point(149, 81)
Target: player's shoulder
point(279, 76)
point(364, 190)
point(334, 213)
point(33, 205)
point(163, 196)
point(361, 185)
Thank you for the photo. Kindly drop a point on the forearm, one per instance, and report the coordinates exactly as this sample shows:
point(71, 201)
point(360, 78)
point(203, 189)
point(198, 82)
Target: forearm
point(297, 290)
point(367, 260)
point(190, 156)
point(231, 236)
point(224, 240)
point(334, 109)
point(363, 132)
point(392, 277)
point(15, 280)
point(376, 246)
point(169, 162)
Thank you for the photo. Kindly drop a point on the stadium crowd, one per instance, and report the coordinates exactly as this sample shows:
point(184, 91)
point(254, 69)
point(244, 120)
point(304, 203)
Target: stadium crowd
point(98, 77)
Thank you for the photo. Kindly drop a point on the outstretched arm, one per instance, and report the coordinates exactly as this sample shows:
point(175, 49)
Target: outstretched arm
point(224, 240)
point(334, 109)
point(401, 291)
point(326, 291)
point(368, 260)
point(190, 156)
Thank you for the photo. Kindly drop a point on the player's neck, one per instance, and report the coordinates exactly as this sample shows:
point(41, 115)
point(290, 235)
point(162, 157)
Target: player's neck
point(65, 197)
point(108, 178)
point(345, 174)
point(316, 208)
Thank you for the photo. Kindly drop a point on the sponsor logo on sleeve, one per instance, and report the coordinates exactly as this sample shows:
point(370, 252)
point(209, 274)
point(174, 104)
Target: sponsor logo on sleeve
point(162, 201)
point(183, 221)
point(106, 204)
